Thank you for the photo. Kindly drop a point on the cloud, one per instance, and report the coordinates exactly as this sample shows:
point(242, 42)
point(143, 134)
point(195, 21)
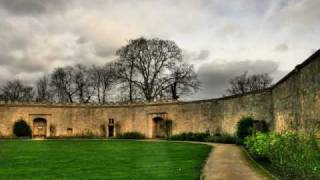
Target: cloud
point(204, 54)
point(281, 47)
point(216, 75)
point(32, 7)
point(295, 16)
point(196, 56)
point(38, 35)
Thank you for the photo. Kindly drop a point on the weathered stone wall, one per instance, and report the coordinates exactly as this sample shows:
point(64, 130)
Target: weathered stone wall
point(293, 103)
point(256, 105)
point(198, 116)
point(296, 98)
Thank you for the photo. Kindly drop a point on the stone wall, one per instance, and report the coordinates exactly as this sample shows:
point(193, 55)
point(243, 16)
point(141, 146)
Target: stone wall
point(256, 105)
point(293, 103)
point(296, 98)
point(198, 116)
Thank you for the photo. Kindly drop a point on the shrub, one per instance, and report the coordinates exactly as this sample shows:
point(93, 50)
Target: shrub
point(190, 136)
point(222, 138)
point(22, 129)
point(258, 145)
point(293, 156)
point(76, 136)
point(131, 135)
point(248, 126)
point(244, 127)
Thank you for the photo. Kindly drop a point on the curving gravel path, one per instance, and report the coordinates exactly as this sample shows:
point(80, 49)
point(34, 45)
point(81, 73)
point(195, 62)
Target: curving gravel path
point(228, 162)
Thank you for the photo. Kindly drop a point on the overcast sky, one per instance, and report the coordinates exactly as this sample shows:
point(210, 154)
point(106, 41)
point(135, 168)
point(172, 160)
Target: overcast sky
point(221, 38)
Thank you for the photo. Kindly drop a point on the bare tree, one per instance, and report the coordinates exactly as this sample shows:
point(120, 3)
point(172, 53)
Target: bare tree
point(126, 69)
point(84, 84)
point(184, 81)
point(103, 79)
point(243, 83)
point(62, 84)
point(146, 64)
point(43, 93)
point(259, 81)
point(16, 91)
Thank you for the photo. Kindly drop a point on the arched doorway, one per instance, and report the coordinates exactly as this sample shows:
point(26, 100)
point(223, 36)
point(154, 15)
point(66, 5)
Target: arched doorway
point(39, 128)
point(161, 127)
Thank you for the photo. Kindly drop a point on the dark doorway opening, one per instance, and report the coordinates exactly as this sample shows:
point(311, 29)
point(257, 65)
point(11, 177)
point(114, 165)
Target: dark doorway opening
point(111, 128)
point(39, 128)
point(161, 128)
point(111, 131)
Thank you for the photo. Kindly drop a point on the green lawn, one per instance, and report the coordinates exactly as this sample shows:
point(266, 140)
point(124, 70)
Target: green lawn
point(100, 159)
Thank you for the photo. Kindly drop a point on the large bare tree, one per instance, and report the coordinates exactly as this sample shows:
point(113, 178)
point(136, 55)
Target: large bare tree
point(245, 83)
point(84, 83)
point(146, 69)
point(148, 64)
point(184, 81)
point(16, 91)
point(103, 79)
point(125, 74)
point(43, 93)
point(62, 84)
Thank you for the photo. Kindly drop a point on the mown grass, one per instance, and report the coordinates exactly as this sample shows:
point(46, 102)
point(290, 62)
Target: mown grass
point(100, 159)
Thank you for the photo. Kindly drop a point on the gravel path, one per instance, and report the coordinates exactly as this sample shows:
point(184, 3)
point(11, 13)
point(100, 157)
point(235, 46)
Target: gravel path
point(226, 162)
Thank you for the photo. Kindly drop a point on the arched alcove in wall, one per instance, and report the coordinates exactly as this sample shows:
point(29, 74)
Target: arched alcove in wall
point(161, 127)
point(39, 128)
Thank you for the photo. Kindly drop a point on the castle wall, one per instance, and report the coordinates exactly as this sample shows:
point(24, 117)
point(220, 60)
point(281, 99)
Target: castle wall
point(256, 105)
point(296, 98)
point(198, 116)
point(83, 120)
point(293, 103)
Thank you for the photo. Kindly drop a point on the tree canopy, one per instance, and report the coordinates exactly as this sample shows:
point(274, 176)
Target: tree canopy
point(145, 69)
point(245, 83)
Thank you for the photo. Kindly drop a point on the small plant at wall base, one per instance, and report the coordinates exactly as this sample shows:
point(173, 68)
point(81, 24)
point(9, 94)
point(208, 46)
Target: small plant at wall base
point(204, 137)
point(22, 129)
point(190, 136)
point(222, 138)
point(131, 135)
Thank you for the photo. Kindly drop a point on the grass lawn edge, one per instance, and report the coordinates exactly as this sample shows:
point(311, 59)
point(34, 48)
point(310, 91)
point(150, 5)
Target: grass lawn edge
point(202, 176)
point(201, 164)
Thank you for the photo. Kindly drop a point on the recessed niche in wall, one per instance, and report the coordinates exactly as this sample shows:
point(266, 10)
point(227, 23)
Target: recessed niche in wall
point(69, 131)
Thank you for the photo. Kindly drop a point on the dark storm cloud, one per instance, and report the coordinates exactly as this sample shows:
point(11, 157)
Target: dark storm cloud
point(37, 36)
point(215, 76)
point(196, 56)
point(33, 7)
point(204, 54)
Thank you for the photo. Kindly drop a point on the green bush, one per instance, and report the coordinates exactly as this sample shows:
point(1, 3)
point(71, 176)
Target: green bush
point(22, 129)
point(258, 145)
point(222, 138)
point(204, 137)
point(76, 136)
point(190, 136)
point(248, 126)
point(244, 127)
point(131, 135)
point(292, 156)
